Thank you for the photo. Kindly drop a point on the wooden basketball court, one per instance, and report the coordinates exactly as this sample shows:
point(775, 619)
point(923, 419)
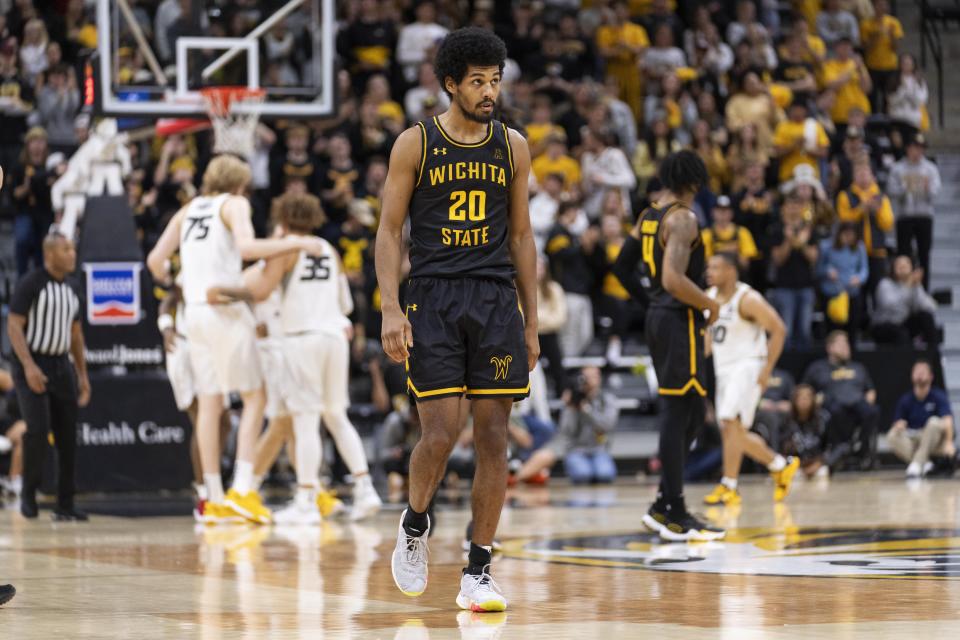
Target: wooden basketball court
point(858, 557)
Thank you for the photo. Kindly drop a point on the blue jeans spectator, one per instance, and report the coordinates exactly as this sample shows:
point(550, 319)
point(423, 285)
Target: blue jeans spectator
point(542, 432)
point(28, 243)
point(584, 466)
point(795, 306)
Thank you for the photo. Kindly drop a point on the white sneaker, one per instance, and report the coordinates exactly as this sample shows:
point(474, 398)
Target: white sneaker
point(298, 512)
point(913, 470)
point(5, 444)
point(366, 502)
point(927, 468)
point(480, 593)
point(409, 562)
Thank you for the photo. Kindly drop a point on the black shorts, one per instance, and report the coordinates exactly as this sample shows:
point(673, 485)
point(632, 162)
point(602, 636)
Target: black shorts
point(675, 338)
point(467, 339)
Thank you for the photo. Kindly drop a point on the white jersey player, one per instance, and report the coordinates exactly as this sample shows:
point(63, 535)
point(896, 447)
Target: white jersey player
point(215, 235)
point(314, 303)
point(743, 360)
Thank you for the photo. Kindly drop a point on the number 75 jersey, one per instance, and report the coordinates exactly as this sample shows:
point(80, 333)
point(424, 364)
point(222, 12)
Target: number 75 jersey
point(208, 253)
point(315, 295)
point(460, 208)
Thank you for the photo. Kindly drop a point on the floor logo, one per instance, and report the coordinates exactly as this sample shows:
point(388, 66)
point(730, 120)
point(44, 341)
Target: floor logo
point(838, 552)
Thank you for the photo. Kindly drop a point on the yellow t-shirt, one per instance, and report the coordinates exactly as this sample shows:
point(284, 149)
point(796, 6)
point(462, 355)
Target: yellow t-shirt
point(786, 134)
point(884, 216)
point(629, 34)
point(640, 8)
point(537, 133)
point(881, 54)
point(543, 166)
point(734, 239)
point(391, 110)
point(849, 95)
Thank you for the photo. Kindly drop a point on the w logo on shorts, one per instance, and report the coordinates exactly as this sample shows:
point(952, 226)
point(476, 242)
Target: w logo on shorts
point(502, 366)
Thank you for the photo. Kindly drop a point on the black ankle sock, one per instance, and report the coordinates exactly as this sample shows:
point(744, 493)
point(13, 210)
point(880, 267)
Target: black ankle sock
point(677, 505)
point(477, 559)
point(415, 523)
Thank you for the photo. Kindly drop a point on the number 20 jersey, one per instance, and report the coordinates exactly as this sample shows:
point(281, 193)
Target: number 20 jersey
point(460, 207)
point(208, 253)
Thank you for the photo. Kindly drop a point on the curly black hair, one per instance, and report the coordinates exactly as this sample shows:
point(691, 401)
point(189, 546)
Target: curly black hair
point(470, 46)
point(683, 171)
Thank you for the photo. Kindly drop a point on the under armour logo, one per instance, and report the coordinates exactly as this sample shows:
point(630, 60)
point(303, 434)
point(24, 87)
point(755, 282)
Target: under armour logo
point(498, 154)
point(502, 366)
point(438, 151)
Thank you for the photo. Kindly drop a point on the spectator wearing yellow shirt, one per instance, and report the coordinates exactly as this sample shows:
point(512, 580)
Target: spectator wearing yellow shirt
point(814, 49)
point(556, 160)
point(866, 204)
point(540, 127)
point(615, 302)
point(846, 81)
point(799, 140)
point(723, 236)
point(621, 43)
point(880, 36)
point(712, 155)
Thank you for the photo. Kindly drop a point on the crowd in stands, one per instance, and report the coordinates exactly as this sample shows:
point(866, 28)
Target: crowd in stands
point(812, 125)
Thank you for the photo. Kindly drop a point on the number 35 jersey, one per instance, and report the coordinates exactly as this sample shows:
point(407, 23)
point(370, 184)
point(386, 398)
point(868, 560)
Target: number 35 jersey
point(460, 208)
point(316, 296)
point(208, 253)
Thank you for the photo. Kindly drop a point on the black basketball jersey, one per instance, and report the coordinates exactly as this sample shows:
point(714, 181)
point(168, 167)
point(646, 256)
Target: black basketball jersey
point(652, 250)
point(460, 208)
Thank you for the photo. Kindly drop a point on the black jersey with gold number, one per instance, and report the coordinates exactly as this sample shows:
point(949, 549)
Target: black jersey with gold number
point(653, 246)
point(461, 205)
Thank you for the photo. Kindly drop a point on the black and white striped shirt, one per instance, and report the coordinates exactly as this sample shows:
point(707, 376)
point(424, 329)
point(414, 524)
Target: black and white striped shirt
point(50, 307)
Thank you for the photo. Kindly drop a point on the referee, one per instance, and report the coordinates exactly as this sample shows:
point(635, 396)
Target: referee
point(44, 327)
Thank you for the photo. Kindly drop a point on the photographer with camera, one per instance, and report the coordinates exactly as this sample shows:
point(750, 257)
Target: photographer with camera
point(793, 253)
point(586, 422)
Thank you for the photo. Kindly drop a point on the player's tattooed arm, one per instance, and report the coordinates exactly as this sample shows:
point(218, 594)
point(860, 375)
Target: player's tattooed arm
point(523, 251)
point(681, 231)
point(397, 334)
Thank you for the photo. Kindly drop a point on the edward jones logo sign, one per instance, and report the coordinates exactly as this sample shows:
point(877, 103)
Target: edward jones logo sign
point(113, 292)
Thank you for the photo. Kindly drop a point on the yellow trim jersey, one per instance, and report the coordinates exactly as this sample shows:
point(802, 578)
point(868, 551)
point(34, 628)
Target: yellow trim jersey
point(460, 209)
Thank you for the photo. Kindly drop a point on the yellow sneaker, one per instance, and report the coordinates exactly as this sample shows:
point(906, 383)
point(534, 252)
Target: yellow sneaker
point(249, 506)
point(211, 513)
point(329, 504)
point(784, 478)
point(722, 495)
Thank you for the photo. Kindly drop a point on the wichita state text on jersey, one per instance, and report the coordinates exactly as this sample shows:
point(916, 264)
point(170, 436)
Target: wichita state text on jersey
point(461, 205)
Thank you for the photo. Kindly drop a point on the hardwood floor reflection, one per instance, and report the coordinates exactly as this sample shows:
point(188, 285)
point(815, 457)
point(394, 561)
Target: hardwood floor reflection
point(866, 557)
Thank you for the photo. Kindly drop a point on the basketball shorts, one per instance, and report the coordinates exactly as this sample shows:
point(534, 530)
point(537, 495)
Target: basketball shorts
point(467, 339)
point(223, 351)
point(319, 369)
point(180, 374)
point(276, 375)
point(738, 394)
point(675, 339)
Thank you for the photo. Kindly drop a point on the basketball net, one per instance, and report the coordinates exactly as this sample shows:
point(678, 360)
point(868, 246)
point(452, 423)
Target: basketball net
point(234, 130)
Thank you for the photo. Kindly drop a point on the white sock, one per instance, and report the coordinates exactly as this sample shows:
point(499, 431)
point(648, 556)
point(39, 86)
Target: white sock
point(363, 483)
point(214, 487)
point(306, 495)
point(348, 440)
point(778, 464)
point(257, 482)
point(243, 477)
point(306, 429)
point(729, 483)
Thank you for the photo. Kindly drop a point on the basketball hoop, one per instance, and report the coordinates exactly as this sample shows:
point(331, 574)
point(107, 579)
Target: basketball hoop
point(234, 130)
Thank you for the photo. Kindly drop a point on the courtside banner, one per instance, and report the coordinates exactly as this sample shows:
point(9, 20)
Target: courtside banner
point(113, 292)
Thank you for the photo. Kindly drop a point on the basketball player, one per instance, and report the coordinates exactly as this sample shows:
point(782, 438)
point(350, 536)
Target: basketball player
point(313, 306)
point(214, 234)
point(666, 246)
point(7, 591)
point(462, 178)
point(743, 360)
